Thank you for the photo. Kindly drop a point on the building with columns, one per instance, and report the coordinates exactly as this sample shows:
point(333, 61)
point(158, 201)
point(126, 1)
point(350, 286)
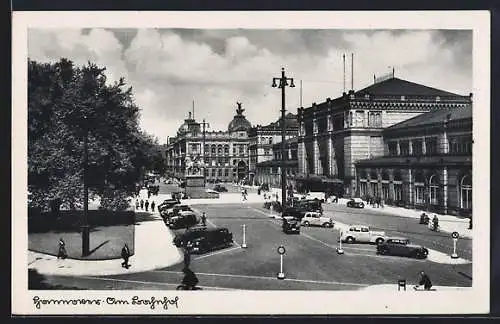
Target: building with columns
point(337, 133)
point(225, 153)
point(262, 139)
point(269, 171)
point(427, 163)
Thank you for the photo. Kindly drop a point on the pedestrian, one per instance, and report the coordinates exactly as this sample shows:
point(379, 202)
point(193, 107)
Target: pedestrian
point(204, 219)
point(470, 223)
point(149, 193)
point(424, 281)
point(137, 204)
point(62, 254)
point(153, 206)
point(125, 256)
point(142, 204)
point(187, 258)
point(146, 204)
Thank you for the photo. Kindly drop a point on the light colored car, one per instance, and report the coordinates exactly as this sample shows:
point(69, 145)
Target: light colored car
point(362, 234)
point(315, 219)
point(316, 195)
point(356, 203)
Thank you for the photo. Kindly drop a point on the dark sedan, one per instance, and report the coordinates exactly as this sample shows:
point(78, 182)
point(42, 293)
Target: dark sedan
point(201, 240)
point(401, 247)
point(291, 225)
point(355, 203)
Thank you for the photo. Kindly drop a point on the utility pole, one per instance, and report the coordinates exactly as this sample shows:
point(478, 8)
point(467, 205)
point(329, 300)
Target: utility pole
point(283, 82)
point(85, 222)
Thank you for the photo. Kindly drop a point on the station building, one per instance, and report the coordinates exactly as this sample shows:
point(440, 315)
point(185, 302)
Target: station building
point(335, 134)
point(427, 163)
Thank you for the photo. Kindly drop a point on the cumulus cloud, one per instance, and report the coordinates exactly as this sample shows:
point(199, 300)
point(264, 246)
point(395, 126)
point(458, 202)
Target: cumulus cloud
point(168, 69)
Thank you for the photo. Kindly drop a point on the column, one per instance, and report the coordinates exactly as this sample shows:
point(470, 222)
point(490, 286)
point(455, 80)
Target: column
point(315, 148)
point(410, 147)
point(398, 148)
point(424, 152)
point(410, 187)
point(302, 157)
point(445, 189)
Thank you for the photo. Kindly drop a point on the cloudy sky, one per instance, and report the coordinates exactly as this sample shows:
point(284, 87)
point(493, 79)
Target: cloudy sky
point(169, 68)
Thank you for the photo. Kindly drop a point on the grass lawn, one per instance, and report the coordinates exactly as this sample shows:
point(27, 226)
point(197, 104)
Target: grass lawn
point(106, 242)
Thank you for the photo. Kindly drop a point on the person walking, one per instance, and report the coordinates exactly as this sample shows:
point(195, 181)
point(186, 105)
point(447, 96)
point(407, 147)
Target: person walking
point(125, 256)
point(153, 206)
point(62, 254)
point(187, 258)
point(204, 219)
point(137, 204)
point(142, 204)
point(146, 204)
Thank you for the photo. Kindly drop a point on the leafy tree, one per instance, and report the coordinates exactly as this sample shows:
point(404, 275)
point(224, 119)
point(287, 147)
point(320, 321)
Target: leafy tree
point(67, 104)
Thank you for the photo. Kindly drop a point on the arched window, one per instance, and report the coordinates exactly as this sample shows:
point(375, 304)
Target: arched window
point(214, 149)
point(398, 186)
point(466, 192)
point(219, 149)
point(419, 189)
point(433, 190)
point(206, 149)
point(226, 149)
point(385, 185)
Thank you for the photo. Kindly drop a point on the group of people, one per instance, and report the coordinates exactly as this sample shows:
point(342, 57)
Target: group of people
point(144, 205)
point(376, 202)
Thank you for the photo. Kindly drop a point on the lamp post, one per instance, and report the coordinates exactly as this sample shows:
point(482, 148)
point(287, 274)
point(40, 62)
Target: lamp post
point(205, 124)
point(85, 221)
point(283, 82)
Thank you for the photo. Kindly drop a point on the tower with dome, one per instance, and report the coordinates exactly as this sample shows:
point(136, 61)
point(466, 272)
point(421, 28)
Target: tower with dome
point(222, 155)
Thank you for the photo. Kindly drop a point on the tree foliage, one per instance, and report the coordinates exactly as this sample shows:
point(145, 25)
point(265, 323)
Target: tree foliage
point(68, 103)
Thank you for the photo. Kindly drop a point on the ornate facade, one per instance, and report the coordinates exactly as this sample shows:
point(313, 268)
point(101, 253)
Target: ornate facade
point(337, 133)
point(262, 139)
point(224, 153)
point(270, 171)
point(427, 163)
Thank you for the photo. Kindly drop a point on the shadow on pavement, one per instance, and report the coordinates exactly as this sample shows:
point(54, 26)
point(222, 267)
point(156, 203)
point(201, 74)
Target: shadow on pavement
point(37, 281)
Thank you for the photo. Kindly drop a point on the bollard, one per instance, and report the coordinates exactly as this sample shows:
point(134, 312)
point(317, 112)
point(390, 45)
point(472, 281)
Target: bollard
point(244, 244)
point(339, 248)
point(281, 251)
point(402, 284)
point(454, 235)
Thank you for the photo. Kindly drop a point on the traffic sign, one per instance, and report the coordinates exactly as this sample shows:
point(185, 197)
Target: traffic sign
point(281, 249)
point(454, 235)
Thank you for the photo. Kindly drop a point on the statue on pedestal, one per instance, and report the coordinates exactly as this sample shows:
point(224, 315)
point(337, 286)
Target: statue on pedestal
point(194, 166)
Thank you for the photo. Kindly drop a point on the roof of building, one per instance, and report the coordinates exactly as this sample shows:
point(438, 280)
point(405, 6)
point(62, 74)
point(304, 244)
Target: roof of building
point(290, 122)
point(434, 117)
point(419, 160)
point(239, 122)
point(400, 87)
point(288, 142)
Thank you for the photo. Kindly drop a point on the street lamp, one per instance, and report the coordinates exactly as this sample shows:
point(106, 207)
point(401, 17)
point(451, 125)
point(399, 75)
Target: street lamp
point(85, 221)
point(283, 82)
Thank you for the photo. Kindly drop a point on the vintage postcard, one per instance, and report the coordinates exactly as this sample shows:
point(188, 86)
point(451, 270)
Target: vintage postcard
point(290, 163)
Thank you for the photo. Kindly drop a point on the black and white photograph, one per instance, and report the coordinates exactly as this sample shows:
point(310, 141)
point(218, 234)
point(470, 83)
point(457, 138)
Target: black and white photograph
point(250, 163)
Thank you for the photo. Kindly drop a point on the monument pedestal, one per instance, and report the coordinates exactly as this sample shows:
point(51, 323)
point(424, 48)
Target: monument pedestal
point(195, 187)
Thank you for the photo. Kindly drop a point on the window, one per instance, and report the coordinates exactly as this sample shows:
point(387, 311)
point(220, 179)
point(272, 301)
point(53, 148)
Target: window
point(419, 189)
point(226, 149)
point(416, 145)
point(220, 172)
point(461, 144)
point(270, 140)
point(350, 119)
point(194, 148)
point(207, 148)
point(360, 118)
point(375, 119)
point(219, 149)
point(364, 229)
point(433, 190)
point(214, 149)
point(398, 187)
point(466, 192)
point(393, 148)
point(430, 145)
point(234, 149)
point(338, 122)
point(363, 188)
point(266, 151)
point(226, 172)
point(404, 148)
point(213, 172)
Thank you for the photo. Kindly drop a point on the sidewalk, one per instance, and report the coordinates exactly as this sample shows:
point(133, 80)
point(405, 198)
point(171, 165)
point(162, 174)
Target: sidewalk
point(153, 250)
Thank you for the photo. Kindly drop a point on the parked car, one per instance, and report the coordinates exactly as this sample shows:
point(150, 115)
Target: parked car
point(174, 211)
point(168, 203)
point(362, 234)
point(315, 219)
point(356, 203)
point(201, 240)
point(184, 219)
point(290, 225)
point(220, 188)
point(401, 246)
